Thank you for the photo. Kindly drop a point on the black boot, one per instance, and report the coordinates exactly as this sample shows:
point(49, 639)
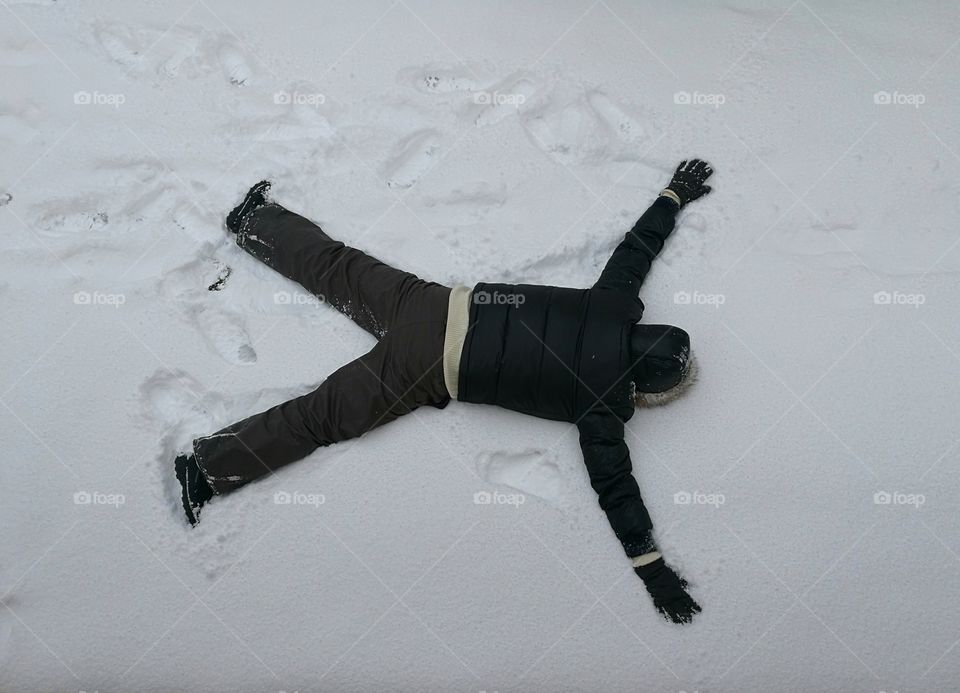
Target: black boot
point(256, 197)
point(195, 491)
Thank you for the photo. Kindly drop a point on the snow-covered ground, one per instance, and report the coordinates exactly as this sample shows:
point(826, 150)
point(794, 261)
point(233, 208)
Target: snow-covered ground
point(807, 486)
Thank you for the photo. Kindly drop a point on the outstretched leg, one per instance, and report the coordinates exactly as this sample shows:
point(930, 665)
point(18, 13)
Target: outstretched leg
point(361, 287)
point(402, 372)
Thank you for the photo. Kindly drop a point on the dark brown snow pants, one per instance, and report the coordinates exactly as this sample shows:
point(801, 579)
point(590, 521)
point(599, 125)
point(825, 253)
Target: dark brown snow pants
point(402, 372)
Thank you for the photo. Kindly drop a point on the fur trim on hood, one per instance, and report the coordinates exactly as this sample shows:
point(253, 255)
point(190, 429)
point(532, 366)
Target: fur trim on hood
point(645, 400)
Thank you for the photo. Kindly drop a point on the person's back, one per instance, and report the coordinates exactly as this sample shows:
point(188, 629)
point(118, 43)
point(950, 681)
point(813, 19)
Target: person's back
point(547, 351)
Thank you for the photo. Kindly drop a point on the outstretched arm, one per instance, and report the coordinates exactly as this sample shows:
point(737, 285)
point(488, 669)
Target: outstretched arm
point(631, 260)
point(607, 458)
point(628, 266)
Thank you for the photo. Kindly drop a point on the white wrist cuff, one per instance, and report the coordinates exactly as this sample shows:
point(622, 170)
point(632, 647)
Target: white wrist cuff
point(667, 192)
point(645, 559)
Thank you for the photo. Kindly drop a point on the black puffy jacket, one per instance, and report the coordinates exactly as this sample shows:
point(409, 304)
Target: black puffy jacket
point(564, 354)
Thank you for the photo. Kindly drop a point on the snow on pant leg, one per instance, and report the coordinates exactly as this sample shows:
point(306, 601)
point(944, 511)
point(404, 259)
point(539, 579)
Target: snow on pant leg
point(361, 287)
point(402, 372)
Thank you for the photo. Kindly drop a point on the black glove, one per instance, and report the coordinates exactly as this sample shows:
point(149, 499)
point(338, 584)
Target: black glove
point(669, 592)
point(687, 182)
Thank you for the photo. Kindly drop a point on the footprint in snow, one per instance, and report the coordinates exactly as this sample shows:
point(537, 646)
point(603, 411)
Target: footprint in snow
point(185, 409)
point(503, 101)
point(533, 472)
point(174, 51)
point(620, 123)
point(181, 410)
point(191, 286)
point(584, 129)
point(174, 398)
point(563, 133)
point(235, 66)
point(181, 48)
point(418, 153)
point(225, 332)
point(300, 122)
point(58, 225)
point(152, 202)
point(437, 80)
point(119, 44)
point(489, 101)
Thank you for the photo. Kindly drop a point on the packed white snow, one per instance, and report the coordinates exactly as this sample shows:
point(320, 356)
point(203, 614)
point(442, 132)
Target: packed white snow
point(807, 486)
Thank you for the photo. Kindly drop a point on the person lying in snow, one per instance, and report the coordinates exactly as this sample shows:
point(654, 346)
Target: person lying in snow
point(574, 355)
